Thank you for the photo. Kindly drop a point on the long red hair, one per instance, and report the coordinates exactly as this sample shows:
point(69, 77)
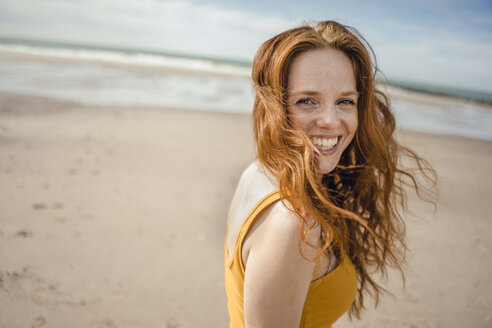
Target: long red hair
point(359, 204)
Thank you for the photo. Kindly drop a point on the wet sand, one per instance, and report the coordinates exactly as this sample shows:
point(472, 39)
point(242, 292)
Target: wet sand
point(114, 217)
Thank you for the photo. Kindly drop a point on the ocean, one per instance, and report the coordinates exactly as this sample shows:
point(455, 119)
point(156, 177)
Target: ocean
point(101, 76)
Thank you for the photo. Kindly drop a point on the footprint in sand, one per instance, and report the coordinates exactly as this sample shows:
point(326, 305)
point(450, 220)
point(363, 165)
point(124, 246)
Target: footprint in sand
point(24, 284)
point(38, 322)
point(23, 233)
point(39, 206)
point(172, 323)
point(108, 323)
point(57, 205)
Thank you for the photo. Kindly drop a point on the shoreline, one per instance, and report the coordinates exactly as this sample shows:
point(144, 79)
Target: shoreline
point(446, 92)
point(51, 105)
point(397, 92)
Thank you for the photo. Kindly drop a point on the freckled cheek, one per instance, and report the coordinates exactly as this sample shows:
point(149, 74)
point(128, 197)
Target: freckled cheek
point(300, 122)
point(351, 122)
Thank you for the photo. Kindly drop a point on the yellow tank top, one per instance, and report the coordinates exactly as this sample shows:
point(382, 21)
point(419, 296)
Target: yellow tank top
point(327, 299)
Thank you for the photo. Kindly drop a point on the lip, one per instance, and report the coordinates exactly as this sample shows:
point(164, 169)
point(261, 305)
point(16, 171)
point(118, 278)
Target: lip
point(327, 152)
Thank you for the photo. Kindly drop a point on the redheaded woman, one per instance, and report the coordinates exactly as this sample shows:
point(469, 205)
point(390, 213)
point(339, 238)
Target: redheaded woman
point(319, 210)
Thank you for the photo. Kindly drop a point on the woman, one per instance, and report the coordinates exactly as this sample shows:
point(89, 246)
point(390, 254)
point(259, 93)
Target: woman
point(319, 210)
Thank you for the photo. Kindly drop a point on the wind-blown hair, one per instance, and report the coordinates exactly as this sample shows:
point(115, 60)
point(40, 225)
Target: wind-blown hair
point(359, 204)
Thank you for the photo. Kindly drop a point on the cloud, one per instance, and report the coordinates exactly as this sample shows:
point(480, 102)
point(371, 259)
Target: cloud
point(456, 58)
point(172, 25)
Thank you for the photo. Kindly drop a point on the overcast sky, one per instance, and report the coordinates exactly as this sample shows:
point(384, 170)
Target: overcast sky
point(443, 42)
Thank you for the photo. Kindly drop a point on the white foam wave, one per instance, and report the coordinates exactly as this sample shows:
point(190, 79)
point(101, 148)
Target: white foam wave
point(137, 59)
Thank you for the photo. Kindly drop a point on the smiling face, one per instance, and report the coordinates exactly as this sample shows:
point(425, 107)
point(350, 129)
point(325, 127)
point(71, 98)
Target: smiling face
point(322, 101)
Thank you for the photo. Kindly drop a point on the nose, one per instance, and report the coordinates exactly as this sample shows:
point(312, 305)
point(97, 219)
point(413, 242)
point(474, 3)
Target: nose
point(328, 117)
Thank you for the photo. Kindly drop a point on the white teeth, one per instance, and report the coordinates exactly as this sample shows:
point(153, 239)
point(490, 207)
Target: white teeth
point(325, 143)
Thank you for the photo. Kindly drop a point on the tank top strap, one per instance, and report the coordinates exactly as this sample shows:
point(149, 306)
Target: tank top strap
point(250, 219)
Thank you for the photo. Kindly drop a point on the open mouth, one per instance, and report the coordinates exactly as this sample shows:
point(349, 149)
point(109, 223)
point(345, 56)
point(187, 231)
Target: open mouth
point(325, 143)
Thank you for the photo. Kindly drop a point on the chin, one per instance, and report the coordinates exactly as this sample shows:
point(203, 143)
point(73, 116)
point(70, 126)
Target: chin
point(325, 167)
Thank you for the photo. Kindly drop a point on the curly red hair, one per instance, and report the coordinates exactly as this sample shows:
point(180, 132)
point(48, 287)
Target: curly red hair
point(359, 204)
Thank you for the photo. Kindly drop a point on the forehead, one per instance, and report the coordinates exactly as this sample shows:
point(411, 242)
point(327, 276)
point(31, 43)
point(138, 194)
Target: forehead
point(321, 69)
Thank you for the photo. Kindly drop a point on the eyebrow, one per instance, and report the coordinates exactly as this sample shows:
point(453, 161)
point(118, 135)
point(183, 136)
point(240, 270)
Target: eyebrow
point(314, 93)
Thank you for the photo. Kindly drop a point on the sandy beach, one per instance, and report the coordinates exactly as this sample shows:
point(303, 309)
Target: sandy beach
point(114, 217)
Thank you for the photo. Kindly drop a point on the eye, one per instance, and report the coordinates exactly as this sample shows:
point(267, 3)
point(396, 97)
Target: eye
point(304, 101)
point(346, 102)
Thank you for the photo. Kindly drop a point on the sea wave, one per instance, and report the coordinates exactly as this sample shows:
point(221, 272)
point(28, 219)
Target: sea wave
point(123, 57)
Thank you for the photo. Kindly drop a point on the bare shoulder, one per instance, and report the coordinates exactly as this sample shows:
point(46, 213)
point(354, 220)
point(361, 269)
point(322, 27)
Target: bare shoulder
point(277, 276)
point(279, 227)
point(253, 185)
